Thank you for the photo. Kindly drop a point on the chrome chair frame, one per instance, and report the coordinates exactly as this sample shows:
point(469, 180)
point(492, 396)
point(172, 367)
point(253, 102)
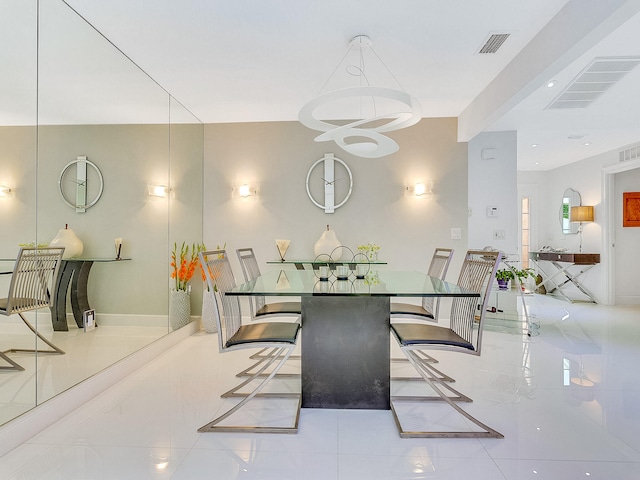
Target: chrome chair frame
point(31, 287)
point(257, 304)
point(430, 308)
point(464, 335)
point(278, 337)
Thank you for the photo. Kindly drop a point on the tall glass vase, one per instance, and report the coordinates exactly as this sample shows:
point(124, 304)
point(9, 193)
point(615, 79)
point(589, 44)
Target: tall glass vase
point(179, 308)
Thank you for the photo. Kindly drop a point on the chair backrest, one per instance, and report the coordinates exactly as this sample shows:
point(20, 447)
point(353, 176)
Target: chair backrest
point(219, 276)
point(437, 268)
point(33, 281)
point(476, 274)
point(251, 271)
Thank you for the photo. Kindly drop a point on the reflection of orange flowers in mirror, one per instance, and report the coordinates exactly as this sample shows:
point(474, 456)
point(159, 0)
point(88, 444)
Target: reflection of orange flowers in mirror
point(214, 276)
point(184, 264)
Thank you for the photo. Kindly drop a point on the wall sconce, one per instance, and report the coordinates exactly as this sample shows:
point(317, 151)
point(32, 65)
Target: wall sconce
point(158, 190)
point(4, 191)
point(244, 190)
point(420, 190)
point(581, 214)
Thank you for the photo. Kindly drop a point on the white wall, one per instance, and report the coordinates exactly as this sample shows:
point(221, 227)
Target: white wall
point(277, 155)
point(586, 177)
point(492, 183)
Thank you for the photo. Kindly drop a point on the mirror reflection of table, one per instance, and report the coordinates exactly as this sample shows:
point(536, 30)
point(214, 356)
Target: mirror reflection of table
point(73, 277)
point(345, 342)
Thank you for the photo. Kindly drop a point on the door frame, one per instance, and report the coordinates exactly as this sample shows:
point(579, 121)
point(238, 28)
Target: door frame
point(608, 230)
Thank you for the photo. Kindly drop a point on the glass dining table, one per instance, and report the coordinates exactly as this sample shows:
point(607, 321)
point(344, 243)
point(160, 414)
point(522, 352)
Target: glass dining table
point(345, 346)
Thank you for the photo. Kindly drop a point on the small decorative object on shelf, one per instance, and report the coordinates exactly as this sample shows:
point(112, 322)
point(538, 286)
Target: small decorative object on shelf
point(118, 245)
point(503, 276)
point(283, 246)
point(327, 244)
point(370, 250)
point(69, 240)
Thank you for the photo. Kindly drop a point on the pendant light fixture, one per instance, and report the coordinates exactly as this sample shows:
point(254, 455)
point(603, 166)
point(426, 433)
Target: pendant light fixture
point(366, 111)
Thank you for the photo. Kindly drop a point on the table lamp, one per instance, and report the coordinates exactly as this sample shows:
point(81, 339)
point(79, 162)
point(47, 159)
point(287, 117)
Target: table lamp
point(581, 215)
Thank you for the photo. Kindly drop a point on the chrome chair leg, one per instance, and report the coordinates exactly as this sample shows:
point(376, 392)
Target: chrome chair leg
point(436, 385)
point(54, 349)
point(213, 425)
point(12, 365)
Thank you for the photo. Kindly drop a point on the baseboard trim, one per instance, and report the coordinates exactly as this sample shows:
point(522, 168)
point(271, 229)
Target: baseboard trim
point(32, 422)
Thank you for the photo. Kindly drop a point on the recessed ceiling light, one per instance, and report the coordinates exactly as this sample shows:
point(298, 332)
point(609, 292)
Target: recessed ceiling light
point(534, 145)
point(551, 83)
point(537, 163)
point(586, 144)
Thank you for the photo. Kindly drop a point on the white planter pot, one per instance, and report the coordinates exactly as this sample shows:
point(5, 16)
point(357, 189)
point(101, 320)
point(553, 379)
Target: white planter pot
point(208, 316)
point(179, 308)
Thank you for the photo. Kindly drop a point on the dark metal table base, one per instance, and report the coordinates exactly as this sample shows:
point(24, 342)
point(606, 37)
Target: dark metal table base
point(345, 352)
point(76, 273)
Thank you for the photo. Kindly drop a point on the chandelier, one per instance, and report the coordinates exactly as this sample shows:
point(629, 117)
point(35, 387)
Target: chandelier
point(356, 117)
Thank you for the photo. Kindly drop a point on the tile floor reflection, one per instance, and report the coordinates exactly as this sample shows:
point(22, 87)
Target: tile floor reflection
point(567, 401)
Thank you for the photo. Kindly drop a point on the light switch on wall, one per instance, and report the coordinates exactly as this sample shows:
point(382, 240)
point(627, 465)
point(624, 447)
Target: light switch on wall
point(456, 234)
point(492, 211)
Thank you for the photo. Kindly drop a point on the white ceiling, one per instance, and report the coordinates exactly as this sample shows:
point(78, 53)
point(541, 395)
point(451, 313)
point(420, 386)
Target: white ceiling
point(257, 60)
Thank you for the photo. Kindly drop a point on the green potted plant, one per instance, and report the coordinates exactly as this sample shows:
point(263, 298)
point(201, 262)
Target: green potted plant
point(503, 276)
point(523, 274)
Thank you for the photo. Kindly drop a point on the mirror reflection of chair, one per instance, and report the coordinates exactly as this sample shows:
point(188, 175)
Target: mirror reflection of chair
point(430, 307)
point(463, 335)
point(279, 337)
point(31, 287)
point(258, 306)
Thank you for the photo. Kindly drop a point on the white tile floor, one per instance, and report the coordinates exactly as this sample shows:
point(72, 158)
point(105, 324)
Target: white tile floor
point(145, 427)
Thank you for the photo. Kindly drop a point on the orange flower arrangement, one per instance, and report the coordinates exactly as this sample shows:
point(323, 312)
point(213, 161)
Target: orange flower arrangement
point(184, 265)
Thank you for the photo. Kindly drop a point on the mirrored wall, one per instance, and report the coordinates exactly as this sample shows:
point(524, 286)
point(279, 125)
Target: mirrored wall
point(72, 95)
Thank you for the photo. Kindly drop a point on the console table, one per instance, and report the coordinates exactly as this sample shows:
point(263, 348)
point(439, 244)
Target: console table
point(73, 275)
point(568, 267)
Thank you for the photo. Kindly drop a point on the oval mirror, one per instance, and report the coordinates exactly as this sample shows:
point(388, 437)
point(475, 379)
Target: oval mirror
point(570, 198)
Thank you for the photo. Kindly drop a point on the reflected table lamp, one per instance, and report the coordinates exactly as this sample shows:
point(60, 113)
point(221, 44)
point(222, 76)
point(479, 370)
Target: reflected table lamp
point(581, 214)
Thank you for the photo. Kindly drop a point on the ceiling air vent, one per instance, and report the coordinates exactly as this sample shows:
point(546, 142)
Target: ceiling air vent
point(630, 153)
point(598, 77)
point(493, 42)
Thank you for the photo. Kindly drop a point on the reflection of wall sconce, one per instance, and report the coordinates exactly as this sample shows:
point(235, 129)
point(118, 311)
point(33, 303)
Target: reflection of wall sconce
point(4, 191)
point(420, 190)
point(244, 191)
point(158, 190)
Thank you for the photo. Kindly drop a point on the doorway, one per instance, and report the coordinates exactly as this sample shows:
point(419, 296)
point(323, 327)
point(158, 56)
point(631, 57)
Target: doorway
point(611, 233)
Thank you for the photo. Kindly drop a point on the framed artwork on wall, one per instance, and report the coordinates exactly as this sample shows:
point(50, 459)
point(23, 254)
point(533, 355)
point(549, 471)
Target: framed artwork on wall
point(631, 209)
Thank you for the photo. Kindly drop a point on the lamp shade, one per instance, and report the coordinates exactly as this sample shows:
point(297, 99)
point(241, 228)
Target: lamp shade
point(582, 214)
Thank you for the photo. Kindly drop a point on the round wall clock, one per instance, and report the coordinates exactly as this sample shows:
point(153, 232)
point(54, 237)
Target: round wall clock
point(329, 183)
point(81, 184)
